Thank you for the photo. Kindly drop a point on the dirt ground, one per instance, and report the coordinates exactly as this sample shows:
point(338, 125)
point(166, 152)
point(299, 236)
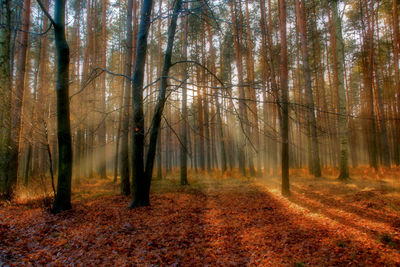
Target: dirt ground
point(216, 221)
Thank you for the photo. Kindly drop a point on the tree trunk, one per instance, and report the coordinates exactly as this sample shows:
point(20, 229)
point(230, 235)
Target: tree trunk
point(6, 183)
point(125, 172)
point(63, 197)
point(311, 121)
point(102, 128)
point(243, 118)
point(383, 132)
point(200, 133)
point(184, 143)
point(396, 44)
point(142, 176)
point(218, 106)
point(251, 92)
point(284, 100)
point(369, 74)
point(159, 66)
point(338, 49)
point(139, 185)
point(18, 95)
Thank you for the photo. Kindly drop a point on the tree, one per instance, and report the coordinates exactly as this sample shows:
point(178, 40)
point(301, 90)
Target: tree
point(62, 199)
point(396, 47)
point(159, 66)
point(18, 94)
point(184, 142)
point(284, 100)
point(216, 100)
point(243, 118)
point(102, 128)
point(251, 94)
point(125, 172)
point(368, 63)
point(338, 64)
point(315, 167)
point(142, 175)
point(140, 198)
point(6, 181)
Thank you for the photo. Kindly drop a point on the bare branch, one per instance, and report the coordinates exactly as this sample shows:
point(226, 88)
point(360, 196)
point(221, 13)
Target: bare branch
point(40, 33)
point(46, 12)
point(96, 72)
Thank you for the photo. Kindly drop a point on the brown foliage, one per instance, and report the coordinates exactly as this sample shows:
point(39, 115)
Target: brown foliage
point(218, 222)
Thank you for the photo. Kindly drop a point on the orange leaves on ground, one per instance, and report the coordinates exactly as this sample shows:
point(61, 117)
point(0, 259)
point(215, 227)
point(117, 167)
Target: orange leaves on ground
point(213, 222)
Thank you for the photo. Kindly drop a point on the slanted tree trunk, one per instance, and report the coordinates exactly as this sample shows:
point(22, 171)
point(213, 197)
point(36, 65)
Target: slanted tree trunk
point(142, 176)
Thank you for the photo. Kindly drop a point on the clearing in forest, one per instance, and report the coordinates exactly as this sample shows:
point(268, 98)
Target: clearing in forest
point(212, 222)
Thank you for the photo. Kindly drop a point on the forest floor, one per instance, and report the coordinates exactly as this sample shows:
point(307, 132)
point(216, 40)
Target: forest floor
point(216, 221)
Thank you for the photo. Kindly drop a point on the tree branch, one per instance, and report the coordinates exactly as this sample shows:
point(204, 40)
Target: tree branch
point(96, 72)
point(40, 33)
point(46, 13)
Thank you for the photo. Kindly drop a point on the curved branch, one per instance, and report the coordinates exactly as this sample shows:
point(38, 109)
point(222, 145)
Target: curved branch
point(46, 12)
point(96, 72)
point(200, 65)
point(40, 33)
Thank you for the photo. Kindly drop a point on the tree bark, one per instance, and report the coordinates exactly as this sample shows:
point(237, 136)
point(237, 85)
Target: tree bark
point(311, 121)
point(63, 197)
point(251, 92)
point(139, 185)
point(125, 169)
point(102, 128)
point(396, 44)
point(159, 67)
point(284, 100)
point(142, 176)
point(218, 106)
point(369, 74)
point(6, 183)
point(338, 49)
point(243, 118)
point(184, 143)
point(19, 94)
